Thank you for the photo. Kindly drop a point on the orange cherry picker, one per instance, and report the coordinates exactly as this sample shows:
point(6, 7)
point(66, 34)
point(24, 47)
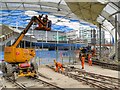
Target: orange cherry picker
point(17, 60)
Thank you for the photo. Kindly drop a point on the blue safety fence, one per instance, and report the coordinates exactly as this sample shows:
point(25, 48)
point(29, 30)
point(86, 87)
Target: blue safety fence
point(58, 45)
point(47, 57)
point(1, 55)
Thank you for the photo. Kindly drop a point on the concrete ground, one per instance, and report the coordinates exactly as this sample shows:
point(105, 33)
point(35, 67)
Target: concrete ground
point(4, 83)
point(60, 80)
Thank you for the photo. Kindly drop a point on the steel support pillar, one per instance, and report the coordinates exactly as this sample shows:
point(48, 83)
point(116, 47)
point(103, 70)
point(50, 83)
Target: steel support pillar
point(46, 36)
point(100, 41)
point(57, 37)
point(116, 49)
point(30, 42)
point(119, 35)
point(57, 53)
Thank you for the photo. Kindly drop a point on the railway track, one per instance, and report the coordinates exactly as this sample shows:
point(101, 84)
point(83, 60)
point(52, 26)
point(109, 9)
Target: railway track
point(105, 65)
point(15, 83)
point(47, 84)
point(30, 82)
point(92, 79)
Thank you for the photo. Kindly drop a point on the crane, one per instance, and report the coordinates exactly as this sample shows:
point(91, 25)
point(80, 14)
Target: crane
point(17, 60)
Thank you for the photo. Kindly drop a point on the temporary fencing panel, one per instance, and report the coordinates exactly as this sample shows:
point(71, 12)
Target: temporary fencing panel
point(47, 57)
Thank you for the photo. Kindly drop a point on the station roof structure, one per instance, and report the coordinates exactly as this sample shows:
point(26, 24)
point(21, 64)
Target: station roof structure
point(64, 13)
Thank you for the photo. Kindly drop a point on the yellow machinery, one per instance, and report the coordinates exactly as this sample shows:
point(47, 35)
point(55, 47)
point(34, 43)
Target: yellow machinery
point(16, 60)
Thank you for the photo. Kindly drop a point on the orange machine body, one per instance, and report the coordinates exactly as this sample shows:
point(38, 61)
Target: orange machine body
point(18, 55)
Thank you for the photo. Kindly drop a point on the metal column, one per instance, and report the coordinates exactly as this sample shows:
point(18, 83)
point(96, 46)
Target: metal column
point(119, 35)
point(42, 43)
point(116, 50)
point(46, 36)
point(57, 47)
point(56, 53)
point(100, 41)
point(57, 37)
point(30, 42)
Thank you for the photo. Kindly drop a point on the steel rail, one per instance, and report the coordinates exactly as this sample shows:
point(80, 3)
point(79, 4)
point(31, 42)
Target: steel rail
point(20, 86)
point(24, 87)
point(109, 78)
point(105, 65)
point(47, 83)
point(92, 81)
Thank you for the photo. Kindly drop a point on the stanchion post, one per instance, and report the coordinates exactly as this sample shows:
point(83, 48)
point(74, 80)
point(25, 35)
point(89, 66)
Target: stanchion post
point(100, 41)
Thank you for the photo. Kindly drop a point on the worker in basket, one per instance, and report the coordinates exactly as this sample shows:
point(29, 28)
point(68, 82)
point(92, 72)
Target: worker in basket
point(46, 23)
point(58, 66)
point(40, 18)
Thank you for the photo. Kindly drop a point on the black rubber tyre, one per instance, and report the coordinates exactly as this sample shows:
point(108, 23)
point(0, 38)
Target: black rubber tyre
point(9, 70)
point(34, 66)
point(3, 66)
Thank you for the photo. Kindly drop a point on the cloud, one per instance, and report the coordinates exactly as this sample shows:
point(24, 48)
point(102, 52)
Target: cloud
point(31, 13)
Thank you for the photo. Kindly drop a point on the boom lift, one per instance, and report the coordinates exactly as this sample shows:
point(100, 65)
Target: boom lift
point(17, 60)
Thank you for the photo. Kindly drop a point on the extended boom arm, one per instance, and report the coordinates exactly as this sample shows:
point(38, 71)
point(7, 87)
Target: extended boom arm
point(33, 19)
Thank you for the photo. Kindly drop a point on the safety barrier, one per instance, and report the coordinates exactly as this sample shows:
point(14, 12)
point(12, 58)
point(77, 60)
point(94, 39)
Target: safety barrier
point(47, 57)
point(1, 55)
